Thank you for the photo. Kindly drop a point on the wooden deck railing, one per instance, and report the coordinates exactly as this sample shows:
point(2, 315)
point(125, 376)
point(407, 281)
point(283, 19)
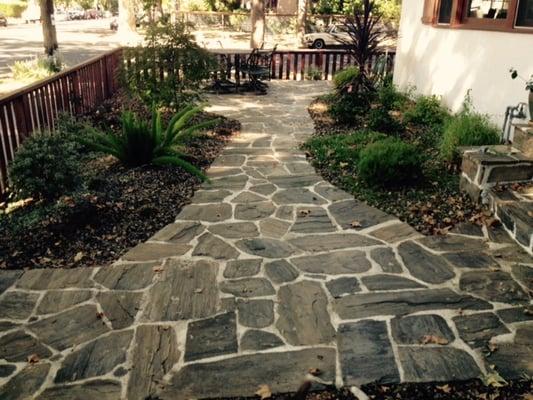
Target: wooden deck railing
point(79, 89)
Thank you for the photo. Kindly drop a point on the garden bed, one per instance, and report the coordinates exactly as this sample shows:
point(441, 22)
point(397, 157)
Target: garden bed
point(119, 208)
point(432, 205)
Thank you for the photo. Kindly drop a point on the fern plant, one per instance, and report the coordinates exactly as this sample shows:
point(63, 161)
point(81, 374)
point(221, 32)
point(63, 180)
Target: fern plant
point(142, 143)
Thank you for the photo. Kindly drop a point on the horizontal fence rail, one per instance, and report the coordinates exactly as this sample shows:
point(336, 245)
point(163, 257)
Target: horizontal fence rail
point(80, 89)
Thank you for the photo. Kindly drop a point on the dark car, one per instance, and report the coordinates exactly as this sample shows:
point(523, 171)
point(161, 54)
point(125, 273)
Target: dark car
point(3, 20)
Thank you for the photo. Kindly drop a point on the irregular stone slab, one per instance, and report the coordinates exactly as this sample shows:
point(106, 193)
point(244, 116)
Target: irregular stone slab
point(333, 241)
point(217, 172)
point(412, 329)
point(17, 305)
point(389, 282)
point(523, 274)
point(493, 286)
point(179, 232)
point(77, 325)
point(468, 228)
point(17, 346)
point(497, 234)
point(120, 308)
point(92, 390)
point(453, 243)
point(437, 364)
point(256, 313)
point(96, 358)
point(303, 315)
point(259, 340)
point(209, 213)
point(242, 375)
point(515, 314)
point(340, 262)
point(274, 228)
point(297, 196)
point(332, 193)
point(349, 211)
point(211, 337)
point(343, 286)
point(285, 212)
point(269, 248)
point(242, 268)
point(396, 232)
point(235, 230)
point(366, 353)
point(8, 278)
point(254, 211)
point(424, 265)
point(229, 160)
point(524, 335)
point(281, 271)
point(42, 279)
point(293, 181)
point(248, 287)
point(247, 197)
point(154, 354)
point(6, 370)
point(126, 276)
point(56, 301)
point(211, 246)
point(264, 189)
point(512, 361)
point(312, 220)
point(155, 251)
point(386, 259)
point(185, 290)
point(478, 329)
point(471, 259)
point(7, 325)
point(210, 196)
point(406, 302)
point(235, 183)
point(25, 383)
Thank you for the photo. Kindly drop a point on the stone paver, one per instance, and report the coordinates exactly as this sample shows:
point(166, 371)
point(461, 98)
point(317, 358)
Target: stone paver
point(269, 273)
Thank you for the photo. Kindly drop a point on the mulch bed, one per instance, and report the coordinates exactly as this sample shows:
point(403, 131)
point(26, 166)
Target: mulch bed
point(435, 206)
point(121, 208)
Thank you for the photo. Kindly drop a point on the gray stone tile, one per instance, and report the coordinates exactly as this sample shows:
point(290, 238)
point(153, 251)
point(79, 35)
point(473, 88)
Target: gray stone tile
point(126, 276)
point(248, 287)
point(412, 329)
point(25, 383)
point(92, 390)
point(56, 301)
point(17, 305)
point(210, 196)
point(280, 271)
point(208, 213)
point(259, 340)
point(386, 259)
point(42, 279)
point(350, 211)
point(478, 329)
point(395, 233)
point(8, 278)
point(180, 232)
point(269, 248)
point(255, 313)
point(515, 314)
point(453, 243)
point(247, 197)
point(297, 195)
point(493, 286)
point(332, 241)
point(343, 286)
point(254, 211)
point(120, 308)
point(242, 268)
point(339, 262)
point(274, 228)
point(332, 193)
point(211, 337)
point(389, 282)
point(524, 275)
point(471, 259)
point(155, 251)
point(214, 247)
point(17, 346)
point(235, 230)
point(312, 220)
point(424, 265)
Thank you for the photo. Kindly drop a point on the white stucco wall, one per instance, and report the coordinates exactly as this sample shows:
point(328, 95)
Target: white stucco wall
point(448, 62)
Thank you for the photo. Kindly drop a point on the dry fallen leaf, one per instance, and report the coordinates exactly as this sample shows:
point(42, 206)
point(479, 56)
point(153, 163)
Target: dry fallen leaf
point(445, 388)
point(494, 379)
point(315, 371)
point(33, 358)
point(99, 315)
point(264, 392)
point(157, 269)
point(78, 257)
point(355, 224)
point(527, 396)
point(433, 339)
point(199, 290)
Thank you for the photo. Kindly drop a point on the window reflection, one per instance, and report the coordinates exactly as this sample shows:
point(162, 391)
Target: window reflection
point(525, 13)
point(490, 9)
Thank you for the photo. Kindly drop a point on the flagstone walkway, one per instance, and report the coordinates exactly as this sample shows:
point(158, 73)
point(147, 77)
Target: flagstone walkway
point(263, 278)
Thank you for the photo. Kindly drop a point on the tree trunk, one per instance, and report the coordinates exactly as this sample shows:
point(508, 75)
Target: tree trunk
point(301, 21)
point(49, 27)
point(258, 24)
point(126, 21)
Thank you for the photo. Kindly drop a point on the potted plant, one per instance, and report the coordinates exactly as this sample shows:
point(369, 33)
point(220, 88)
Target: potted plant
point(529, 86)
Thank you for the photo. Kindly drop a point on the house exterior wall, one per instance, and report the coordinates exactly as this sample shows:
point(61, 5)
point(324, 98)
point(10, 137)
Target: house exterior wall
point(449, 62)
point(287, 6)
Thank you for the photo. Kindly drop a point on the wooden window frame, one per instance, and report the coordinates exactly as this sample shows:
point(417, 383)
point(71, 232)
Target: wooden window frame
point(459, 19)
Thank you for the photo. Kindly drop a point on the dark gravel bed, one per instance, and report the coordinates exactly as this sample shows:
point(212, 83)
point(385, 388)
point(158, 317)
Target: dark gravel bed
point(119, 208)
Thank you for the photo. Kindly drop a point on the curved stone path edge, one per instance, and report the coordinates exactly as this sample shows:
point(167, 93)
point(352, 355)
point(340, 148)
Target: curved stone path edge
point(263, 278)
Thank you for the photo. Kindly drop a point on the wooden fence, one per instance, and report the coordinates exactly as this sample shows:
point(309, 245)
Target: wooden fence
point(79, 89)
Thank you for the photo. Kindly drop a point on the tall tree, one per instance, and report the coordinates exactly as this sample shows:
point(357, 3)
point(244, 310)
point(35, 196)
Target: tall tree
point(127, 24)
point(49, 27)
point(301, 20)
point(258, 24)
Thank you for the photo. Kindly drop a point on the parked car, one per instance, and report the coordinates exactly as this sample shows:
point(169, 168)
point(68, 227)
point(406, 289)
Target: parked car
point(335, 35)
point(32, 14)
point(75, 14)
point(60, 15)
point(93, 14)
point(3, 20)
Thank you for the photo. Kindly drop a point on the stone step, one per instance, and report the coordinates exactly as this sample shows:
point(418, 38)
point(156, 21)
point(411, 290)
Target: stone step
point(515, 211)
point(523, 139)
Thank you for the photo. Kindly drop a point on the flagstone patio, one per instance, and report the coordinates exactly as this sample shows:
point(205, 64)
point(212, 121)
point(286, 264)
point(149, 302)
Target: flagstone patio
point(264, 277)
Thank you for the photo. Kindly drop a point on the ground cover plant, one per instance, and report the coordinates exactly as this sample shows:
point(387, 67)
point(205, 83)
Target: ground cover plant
point(109, 207)
point(398, 152)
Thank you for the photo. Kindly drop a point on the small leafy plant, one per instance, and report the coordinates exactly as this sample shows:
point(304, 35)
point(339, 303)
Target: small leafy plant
point(36, 68)
point(314, 74)
point(345, 77)
point(427, 112)
point(142, 143)
point(528, 82)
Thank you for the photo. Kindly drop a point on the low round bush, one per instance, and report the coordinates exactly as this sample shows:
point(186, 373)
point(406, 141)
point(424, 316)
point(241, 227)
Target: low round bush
point(45, 167)
point(349, 107)
point(427, 112)
point(390, 163)
point(345, 77)
point(467, 129)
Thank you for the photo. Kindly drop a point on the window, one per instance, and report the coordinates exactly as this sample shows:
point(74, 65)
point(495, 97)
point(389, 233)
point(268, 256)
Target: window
point(445, 11)
point(488, 9)
point(524, 17)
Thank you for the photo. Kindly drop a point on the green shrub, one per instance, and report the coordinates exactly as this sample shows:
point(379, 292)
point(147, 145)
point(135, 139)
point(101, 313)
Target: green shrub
point(73, 129)
point(467, 128)
point(381, 120)
point(45, 167)
point(142, 143)
point(427, 112)
point(35, 69)
point(390, 163)
point(345, 77)
point(13, 10)
point(314, 74)
point(391, 98)
point(349, 108)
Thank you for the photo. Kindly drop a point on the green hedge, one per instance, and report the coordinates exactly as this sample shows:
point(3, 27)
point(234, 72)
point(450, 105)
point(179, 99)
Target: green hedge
point(13, 10)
